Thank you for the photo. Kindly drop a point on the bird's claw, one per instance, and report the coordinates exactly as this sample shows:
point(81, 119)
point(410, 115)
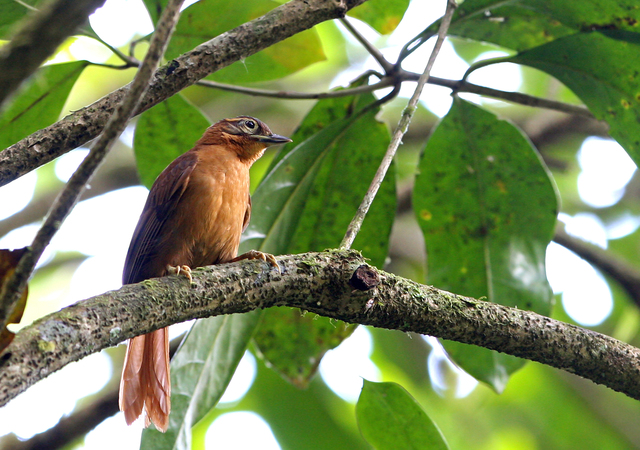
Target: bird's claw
point(255, 254)
point(177, 270)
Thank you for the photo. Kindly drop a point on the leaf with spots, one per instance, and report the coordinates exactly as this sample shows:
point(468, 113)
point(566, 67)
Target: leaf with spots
point(305, 203)
point(487, 208)
point(522, 25)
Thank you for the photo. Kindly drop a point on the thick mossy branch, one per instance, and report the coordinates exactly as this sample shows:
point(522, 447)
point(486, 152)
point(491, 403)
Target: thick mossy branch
point(323, 283)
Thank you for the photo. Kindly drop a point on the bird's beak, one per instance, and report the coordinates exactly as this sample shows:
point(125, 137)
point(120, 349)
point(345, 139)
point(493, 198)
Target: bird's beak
point(272, 140)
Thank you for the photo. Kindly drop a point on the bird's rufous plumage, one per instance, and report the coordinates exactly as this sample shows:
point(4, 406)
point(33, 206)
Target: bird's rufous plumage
point(194, 215)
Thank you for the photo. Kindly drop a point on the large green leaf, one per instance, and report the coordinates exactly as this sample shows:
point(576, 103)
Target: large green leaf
point(383, 15)
point(39, 101)
point(389, 418)
point(603, 69)
point(323, 180)
point(200, 373)
point(208, 18)
point(520, 25)
point(165, 132)
point(487, 209)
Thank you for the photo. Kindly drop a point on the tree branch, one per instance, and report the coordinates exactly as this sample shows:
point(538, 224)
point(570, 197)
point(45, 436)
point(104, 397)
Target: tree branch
point(85, 124)
point(38, 38)
point(14, 286)
point(337, 284)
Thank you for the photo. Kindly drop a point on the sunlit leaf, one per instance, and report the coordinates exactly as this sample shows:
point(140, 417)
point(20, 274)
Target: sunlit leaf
point(39, 101)
point(8, 261)
point(208, 18)
point(487, 209)
point(165, 132)
point(383, 15)
point(200, 373)
point(602, 69)
point(389, 418)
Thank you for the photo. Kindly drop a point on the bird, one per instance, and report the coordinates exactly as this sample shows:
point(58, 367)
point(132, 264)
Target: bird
point(194, 215)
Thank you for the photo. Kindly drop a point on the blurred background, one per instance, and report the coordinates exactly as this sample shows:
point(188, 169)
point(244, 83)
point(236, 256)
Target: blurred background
point(541, 408)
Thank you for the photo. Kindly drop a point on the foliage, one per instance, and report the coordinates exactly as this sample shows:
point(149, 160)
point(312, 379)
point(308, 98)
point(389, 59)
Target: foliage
point(484, 201)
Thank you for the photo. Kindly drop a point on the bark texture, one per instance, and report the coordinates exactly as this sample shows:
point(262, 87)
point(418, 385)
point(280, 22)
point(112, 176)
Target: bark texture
point(85, 124)
point(321, 283)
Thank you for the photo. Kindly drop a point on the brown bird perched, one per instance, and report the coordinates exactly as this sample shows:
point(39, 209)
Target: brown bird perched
point(194, 215)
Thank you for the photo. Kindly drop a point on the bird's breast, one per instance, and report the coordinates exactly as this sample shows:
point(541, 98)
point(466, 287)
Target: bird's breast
point(220, 196)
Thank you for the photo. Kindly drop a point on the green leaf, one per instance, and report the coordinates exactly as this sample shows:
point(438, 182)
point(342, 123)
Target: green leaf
point(39, 101)
point(208, 18)
point(521, 25)
point(383, 15)
point(487, 208)
point(200, 373)
point(602, 69)
point(165, 132)
point(311, 194)
point(11, 12)
point(390, 418)
point(293, 343)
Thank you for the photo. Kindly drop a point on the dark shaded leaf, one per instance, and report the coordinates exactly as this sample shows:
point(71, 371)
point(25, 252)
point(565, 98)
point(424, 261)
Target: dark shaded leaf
point(487, 209)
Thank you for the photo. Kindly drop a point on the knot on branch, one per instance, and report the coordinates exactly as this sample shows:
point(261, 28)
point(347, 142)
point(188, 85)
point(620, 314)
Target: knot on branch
point(364, 278)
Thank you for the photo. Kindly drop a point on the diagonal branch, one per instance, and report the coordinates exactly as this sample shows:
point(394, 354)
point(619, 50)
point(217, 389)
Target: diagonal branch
point(337, 284)
point(13, 288)
point(38, 38)
point(86, 123)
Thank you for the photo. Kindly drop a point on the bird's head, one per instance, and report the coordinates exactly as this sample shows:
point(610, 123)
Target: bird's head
point(245, 135)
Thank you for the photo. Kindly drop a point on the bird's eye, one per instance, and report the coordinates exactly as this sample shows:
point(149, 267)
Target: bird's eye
point(250, 124)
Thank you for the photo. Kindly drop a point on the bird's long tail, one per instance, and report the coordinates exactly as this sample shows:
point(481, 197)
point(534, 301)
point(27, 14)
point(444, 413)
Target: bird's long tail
point(145, 382)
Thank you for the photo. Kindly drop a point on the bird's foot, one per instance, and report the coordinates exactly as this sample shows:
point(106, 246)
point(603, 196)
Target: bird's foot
point(255, 254)
point(177, 270)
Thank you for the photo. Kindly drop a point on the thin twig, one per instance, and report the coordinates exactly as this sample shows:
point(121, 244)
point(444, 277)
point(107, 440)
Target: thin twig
point(513, 97)
point(384, 83)
point(67, 199)
point(373, 51)
point(398, 133)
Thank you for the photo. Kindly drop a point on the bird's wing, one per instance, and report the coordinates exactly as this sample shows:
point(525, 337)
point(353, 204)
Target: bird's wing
point(247, 215)
point(163, 198)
